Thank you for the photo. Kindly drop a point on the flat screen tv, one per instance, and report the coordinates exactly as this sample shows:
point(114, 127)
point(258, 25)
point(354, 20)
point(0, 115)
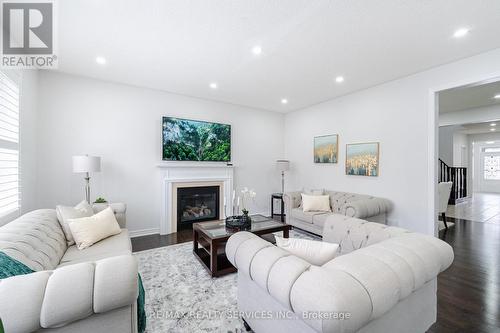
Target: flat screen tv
point(193, 140)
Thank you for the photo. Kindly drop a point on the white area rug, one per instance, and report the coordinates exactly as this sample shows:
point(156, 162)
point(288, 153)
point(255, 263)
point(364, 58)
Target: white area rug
point(182, 297)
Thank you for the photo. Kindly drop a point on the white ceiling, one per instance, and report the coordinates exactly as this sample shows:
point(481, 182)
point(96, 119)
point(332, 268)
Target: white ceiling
point(182, 45)
point(469, 97)
point(478, 128)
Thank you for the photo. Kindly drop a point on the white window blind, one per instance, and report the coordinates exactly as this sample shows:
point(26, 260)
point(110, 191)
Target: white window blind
point(9, 146)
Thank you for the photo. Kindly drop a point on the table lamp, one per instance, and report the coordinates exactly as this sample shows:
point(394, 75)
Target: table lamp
point(86, 164)
point(282, 166)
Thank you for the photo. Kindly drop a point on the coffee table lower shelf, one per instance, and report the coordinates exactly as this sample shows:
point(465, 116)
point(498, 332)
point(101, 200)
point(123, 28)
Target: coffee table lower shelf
point(223, 265)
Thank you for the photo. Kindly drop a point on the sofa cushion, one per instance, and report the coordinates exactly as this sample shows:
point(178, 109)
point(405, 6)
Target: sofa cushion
point(299, 214)
point(313, 251)
point(320, 219)
point(65, 213)
point(68, 295)
point(113, 246)
point(35, 239)
point(90, 230)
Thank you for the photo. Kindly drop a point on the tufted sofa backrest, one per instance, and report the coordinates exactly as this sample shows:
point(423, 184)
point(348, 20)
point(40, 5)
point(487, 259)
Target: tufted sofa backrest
point(353, 234)
point(35, 239)
point(338, 200)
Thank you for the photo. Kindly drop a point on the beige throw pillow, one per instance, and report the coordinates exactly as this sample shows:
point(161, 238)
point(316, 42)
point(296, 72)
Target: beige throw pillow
point(312, 192)
point(65, 213)
point(315, 203)
point(90, 230)
point(315, 252)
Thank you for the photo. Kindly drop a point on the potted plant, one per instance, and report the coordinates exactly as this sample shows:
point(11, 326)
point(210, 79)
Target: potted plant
point(100, 203)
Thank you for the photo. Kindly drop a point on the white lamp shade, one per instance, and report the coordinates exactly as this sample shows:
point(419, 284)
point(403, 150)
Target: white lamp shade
point(85, 163)
point(282, 165)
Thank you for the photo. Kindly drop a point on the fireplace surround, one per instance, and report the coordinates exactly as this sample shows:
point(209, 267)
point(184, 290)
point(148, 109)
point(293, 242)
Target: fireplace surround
point(174, 175)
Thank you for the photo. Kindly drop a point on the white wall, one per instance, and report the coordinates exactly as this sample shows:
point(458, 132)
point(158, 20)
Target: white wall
point(460, 150)
point(445, 152)
point(470, 116)
point(123, 125)
point(450, 146)
point(397, 114)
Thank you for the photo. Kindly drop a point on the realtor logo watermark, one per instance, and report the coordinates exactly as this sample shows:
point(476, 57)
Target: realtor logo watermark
point(28, 34)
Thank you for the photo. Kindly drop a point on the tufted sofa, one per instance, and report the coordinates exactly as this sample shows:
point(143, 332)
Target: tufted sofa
point(71, 290)
point(350, 204)
point(383, 279)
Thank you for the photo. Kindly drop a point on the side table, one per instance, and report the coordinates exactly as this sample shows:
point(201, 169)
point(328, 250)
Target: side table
point(278, 196)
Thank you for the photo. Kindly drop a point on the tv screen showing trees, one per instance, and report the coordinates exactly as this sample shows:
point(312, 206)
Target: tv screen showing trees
point(192, 140)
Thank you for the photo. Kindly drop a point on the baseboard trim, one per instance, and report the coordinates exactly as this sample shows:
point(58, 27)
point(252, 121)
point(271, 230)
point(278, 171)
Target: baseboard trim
point(152, 231)
point(144, 232)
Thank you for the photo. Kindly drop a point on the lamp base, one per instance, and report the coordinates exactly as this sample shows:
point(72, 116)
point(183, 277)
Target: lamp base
point(87, 188)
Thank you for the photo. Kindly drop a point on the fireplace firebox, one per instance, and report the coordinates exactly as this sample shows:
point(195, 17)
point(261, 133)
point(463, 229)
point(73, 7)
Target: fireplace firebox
point(197, 204)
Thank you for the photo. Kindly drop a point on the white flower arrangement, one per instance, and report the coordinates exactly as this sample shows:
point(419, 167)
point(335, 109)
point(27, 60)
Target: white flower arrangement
point(246, 194)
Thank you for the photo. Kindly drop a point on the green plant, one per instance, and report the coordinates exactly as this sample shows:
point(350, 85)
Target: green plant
point(1, 327)
point(100, 200)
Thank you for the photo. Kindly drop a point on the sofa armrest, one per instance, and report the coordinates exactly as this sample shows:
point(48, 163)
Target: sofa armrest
point(367, 207)
point(50, 299)
point(119, 208)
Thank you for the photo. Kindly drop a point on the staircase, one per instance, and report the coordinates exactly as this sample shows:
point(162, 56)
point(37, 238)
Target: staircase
point(457, 175)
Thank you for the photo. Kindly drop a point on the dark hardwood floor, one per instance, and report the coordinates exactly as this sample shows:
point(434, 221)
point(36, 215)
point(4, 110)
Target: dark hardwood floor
point(153, 241)
point(468, 291)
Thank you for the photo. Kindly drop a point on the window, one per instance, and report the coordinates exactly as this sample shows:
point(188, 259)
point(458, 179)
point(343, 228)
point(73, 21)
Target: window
point(9, 146)
point(492, 167)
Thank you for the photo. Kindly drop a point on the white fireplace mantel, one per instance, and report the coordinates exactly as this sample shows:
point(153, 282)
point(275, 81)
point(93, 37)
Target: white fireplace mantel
point(178, 173)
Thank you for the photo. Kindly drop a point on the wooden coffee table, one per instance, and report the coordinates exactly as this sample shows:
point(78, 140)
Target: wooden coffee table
point(209, 240)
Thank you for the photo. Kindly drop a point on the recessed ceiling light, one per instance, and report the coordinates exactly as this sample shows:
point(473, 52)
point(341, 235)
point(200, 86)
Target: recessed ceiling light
point(100, 60)
point(490, 142)
point(213, 85)
point(257, 50)
point(496, 96)
point(493, 129)
point(284, 101)
point(493, 124)
point(339, 79)
point(462, 32)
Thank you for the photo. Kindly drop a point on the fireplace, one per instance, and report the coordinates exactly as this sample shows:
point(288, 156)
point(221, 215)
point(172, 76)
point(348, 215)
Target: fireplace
point(197, 204)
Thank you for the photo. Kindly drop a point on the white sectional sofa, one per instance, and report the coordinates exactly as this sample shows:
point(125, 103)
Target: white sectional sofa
point(361, 206)
point(383, 279)
point(90, 290)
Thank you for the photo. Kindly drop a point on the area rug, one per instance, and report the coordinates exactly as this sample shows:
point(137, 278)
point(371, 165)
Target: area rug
point(182, 297)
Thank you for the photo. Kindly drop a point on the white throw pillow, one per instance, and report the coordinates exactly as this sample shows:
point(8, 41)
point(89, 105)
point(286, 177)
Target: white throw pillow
point(89, 230)
point(315, 203)
point(312, 192)
point(64, 213)
point(315, 252)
